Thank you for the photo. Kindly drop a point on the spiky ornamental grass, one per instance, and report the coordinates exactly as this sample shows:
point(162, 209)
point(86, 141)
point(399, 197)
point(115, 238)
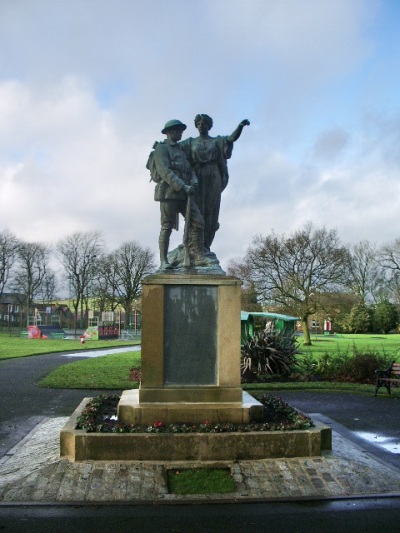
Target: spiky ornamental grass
point(269, 353)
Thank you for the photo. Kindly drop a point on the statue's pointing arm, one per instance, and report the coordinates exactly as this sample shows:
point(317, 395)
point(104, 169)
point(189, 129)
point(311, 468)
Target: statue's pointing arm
point(236, 134)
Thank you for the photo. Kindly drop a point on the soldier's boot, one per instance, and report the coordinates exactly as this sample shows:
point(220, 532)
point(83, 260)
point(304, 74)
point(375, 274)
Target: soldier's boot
point(163, 243)
point(200, 259)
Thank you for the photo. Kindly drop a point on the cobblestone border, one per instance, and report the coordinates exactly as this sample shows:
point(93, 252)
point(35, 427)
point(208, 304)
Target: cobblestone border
point(35, 473)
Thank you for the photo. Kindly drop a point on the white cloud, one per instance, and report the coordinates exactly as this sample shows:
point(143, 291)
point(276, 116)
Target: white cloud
point(86, 87)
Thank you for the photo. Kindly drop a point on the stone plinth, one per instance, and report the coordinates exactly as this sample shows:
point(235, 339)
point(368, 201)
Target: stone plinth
point(135, 412)
point(190, 353)
point(78, 445)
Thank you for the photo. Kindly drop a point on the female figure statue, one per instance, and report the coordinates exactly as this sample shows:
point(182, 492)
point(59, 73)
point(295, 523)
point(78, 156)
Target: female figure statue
point(208, 157)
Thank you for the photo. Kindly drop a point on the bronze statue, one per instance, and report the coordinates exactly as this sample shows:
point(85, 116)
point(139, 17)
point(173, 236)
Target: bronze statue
point(208, 156)
point(176, 185)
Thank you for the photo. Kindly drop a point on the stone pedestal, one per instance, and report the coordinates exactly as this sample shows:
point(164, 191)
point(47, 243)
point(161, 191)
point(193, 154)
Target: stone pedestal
point(190, 353)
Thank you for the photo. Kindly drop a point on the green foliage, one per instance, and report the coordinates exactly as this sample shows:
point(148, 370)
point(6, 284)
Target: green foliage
point(361, 368)
point(359, 320)
point(269, 353)
point(89, 418)
point(352, 367)
point(385, 317)
point(278, 411)
point(306, 364)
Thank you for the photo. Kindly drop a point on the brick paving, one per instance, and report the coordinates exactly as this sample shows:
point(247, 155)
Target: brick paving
point(33, 472)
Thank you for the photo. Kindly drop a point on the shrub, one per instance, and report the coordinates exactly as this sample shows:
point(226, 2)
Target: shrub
point(306, 364)
point(271, 353)
point(355, 367)
point(361, 368)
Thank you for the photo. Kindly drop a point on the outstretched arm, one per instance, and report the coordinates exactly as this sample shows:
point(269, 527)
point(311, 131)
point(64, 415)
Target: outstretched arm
point(236, 134)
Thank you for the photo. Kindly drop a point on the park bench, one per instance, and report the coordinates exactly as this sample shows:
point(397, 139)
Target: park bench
point(384, 378)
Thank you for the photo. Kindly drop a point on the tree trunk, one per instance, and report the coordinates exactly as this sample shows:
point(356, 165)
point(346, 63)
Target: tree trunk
point(128, 311)
point(306, 332)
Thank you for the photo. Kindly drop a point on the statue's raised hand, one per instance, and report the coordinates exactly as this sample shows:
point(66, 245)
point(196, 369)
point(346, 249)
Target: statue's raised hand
point(245, 122)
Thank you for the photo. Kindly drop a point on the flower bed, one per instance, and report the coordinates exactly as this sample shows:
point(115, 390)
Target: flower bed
point(100, 416)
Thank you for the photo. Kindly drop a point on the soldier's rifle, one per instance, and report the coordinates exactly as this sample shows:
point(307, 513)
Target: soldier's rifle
point(186, 233)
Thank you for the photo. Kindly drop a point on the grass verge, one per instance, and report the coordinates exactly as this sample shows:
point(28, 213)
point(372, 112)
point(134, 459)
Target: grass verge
point(12, 347)
point(113, 372)
point(106, 372)
point(388, 345)
point(200, 481)
point(309, 386)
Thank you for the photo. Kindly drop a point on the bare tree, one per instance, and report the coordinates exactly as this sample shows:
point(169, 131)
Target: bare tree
point(393, 287)
point(249, 296)
point(365, 272)
point(389, 259)
point(32, 267)
point(105, 281)
point(78, 254)
point(8, 254)
point(292, 271)
point(126, 268)
point(49, 287)
point(389, 256)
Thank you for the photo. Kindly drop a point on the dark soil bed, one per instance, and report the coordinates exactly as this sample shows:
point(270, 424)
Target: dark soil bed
point(100, 415)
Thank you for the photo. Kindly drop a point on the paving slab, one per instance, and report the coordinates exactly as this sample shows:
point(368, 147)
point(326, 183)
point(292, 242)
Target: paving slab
point(33, 472)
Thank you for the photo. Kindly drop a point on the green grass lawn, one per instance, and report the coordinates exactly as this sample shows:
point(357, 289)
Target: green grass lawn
point(11, 347)
point(337, 386)
point(348, 344)
point(105, 372)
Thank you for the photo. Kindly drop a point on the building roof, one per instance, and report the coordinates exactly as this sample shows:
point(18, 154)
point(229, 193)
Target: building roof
point(11, 298)
point(244, 315)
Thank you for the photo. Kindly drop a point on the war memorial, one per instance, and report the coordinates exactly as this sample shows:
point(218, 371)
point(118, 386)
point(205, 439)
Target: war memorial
point(191, 327)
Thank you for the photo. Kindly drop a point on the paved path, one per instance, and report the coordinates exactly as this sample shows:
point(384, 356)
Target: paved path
point(33, 472)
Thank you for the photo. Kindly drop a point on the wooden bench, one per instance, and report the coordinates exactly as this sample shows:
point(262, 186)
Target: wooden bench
point(385, 377)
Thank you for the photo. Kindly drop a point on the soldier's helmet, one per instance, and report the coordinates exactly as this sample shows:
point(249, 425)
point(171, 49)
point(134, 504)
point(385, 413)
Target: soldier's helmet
point(173, 124)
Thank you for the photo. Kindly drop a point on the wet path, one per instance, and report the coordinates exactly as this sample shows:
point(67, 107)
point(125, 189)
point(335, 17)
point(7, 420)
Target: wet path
point(372, 423)
point(23, 404)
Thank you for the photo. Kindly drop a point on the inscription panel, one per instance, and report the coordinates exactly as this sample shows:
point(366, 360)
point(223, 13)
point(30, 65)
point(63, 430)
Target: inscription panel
point(190, 335)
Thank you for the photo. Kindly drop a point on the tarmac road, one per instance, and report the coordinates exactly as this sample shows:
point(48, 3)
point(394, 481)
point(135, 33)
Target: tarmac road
point(364, 515)
point(371, 422)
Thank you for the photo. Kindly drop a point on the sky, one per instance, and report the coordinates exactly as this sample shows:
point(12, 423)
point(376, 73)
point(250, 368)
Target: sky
point(87, 86)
